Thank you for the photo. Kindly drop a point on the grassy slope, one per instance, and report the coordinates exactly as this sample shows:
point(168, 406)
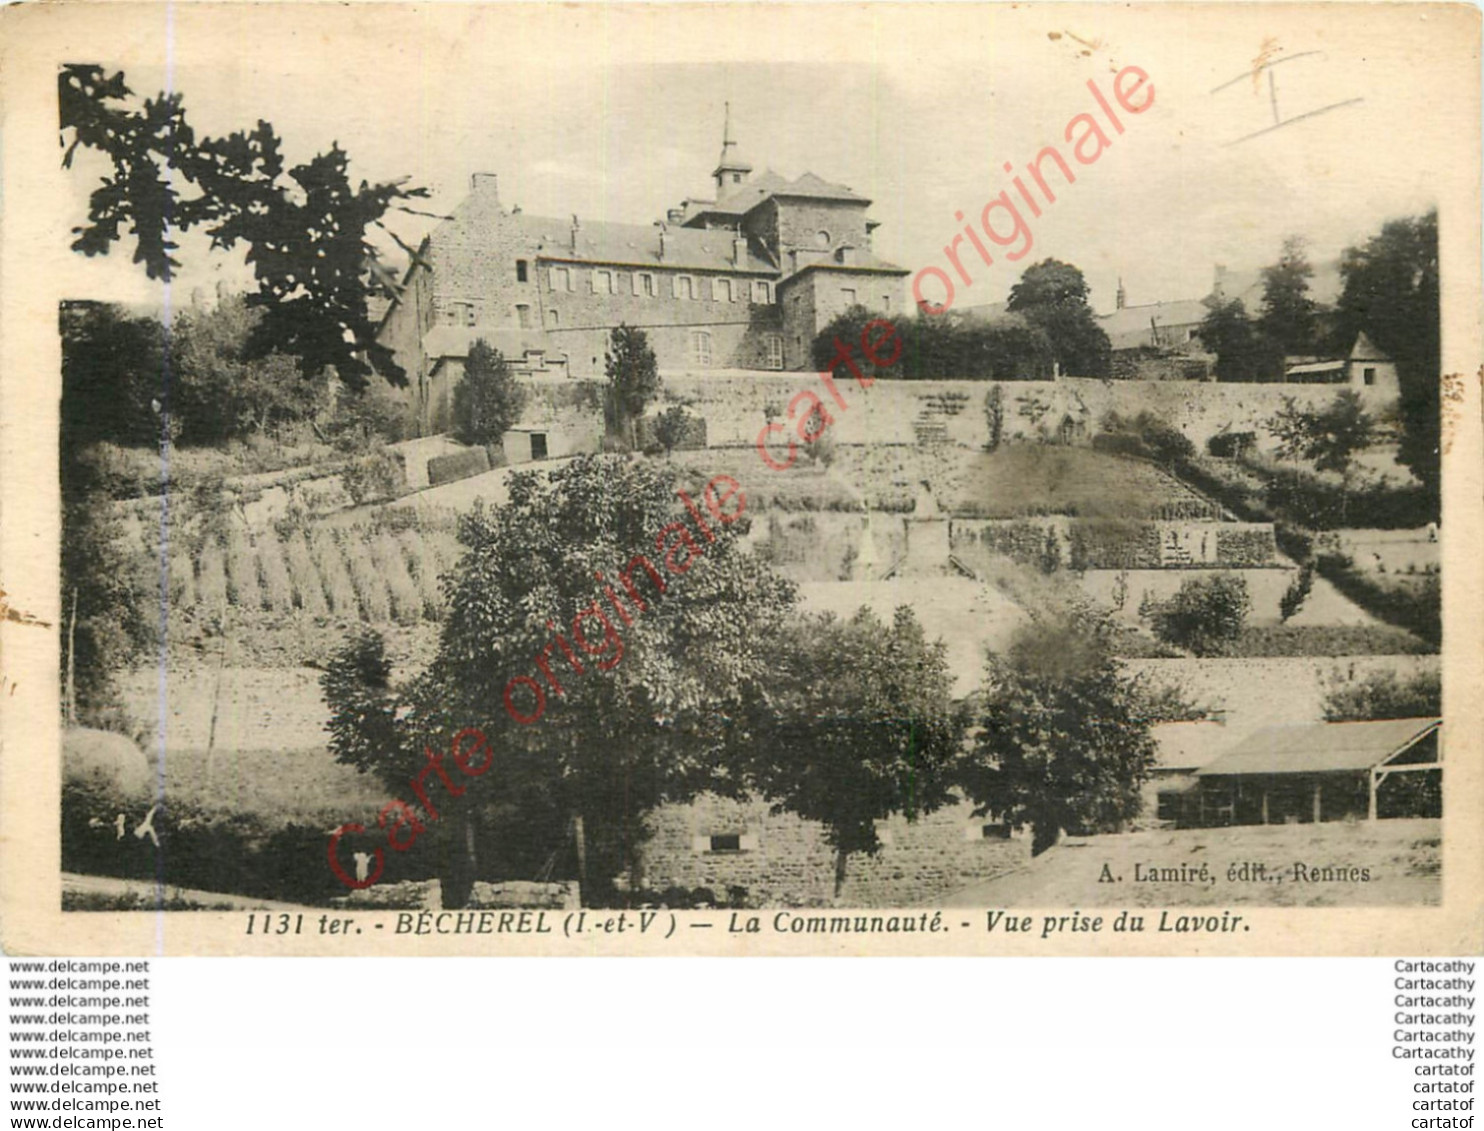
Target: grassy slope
point(1403, 857)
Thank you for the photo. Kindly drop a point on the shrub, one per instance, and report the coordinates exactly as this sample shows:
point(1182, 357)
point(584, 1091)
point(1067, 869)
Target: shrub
point(1413, 604)
point(369, 583)
point(212, 580)
point(1244, 548)
point(373, 478)
point(1229, 445)
point(1323, 640)
point(457, 465)
point(273, 575)
point(242, 570)
point(1297, 592)
point(1386, 695)
point(339, 590)
point(1204, 615)
point(364, 419)
point(407, 601)
point(308, 593)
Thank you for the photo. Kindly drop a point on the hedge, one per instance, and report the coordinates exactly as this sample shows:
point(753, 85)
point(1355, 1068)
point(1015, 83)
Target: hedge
point(1416, 607)
point(1114, 545)
point(1244, 548)
point(457, 465)
point(1324, 640)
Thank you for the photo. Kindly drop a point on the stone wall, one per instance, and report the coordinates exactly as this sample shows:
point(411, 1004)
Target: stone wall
point(887, 412)
point(786, 861)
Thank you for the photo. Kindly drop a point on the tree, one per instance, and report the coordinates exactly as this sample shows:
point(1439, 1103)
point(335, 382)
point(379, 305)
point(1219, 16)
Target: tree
point(1287, 317)
point(1204, 615)
point(994, 417)
point(849, 329)
point(1053, 297)
point(1386, 695)
point(671, 428)
point(633, 378)
point(654, 714)
point(1063, 743)
point(1391, 293)
point(1241, 353)
point(221, 389)
point(860, 725)
point(1328, 437)
point(304, 227)
point(488, 400)
point(1297, 593)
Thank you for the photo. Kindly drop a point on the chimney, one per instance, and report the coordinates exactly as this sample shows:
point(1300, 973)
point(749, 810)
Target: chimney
point(1218, 286)
point(663, 232)
point(576, 227)
point(1122, 299)
point(675, 215)
point(485, 184)
point(739, 249)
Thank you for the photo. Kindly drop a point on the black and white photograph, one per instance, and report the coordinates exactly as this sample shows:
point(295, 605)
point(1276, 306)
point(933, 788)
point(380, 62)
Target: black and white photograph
point(838, 474)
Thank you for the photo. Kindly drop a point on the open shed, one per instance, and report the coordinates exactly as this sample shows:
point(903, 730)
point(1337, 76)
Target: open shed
point(1326, 772)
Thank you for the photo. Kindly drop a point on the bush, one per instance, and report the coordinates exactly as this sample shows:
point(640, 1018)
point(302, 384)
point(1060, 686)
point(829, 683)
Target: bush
point(1323, 640)
point(1146, 435)
point(1297, 592)
point(1205, 615)
point(1386, 695)
point(362, 420)
point(457, 465)
point(1229, 445)
point(488, 400)
point(374, 478)
point(1414, 604)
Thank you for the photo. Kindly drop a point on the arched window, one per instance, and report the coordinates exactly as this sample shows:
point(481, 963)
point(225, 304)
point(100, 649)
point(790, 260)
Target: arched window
point(822, 238)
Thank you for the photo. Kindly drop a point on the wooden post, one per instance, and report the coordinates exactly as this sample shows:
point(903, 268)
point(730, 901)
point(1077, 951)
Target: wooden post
point(579, 837)
point(1318, 800)
point(1371, 806)
point(72, 662)
point(1264, 803)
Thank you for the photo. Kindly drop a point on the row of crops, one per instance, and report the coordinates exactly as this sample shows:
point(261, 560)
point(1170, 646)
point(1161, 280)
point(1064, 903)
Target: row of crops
point(368, 572)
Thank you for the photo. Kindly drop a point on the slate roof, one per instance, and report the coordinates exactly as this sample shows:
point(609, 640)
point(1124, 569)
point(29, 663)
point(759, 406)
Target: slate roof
point(1320, 748)
point(1365, 350)
point(694, 249)
point(1188, 745)
point(1128, 328)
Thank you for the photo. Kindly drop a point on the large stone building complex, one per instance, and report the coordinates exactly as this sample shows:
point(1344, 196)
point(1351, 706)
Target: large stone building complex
point(741, 281)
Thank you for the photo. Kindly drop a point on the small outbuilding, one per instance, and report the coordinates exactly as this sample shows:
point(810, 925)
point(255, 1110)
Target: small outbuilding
point(1325, 772)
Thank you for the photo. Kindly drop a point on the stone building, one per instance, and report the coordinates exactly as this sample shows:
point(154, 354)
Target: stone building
point(741, 281)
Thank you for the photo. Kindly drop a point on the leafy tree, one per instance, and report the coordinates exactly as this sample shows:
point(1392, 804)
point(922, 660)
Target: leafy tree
point(1242, 354)
point(488, 400)
point(1329, 437)
point(1391, 293)
point(847, 327)
point(860, 725)
point(1063, 742)
point(113, 373)
point(633, 378)
point(652, 717)
point(1287, 317)
point(1204, 615)
point(671, 428)
point(1386, 695)
point(304, 227)
point(1053, 297)
point(221, 390)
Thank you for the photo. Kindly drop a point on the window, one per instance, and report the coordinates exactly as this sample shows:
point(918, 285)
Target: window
point(451, 314)
point(848, 294)
point(996, 830)
point(736, 178)
point(685, 287)
point(822, 238)
point(774, 343)
point(729, 842)
point(644, 284)
point(721, 290)
point(561, 279)
point(602, 282)
point(1370, 374)
point(700, 346)
point(468, 314)
point(554, 317)
point(760, 291)
point(886, 302)
point(522, 272)
point(523, 315)
point(538, 445)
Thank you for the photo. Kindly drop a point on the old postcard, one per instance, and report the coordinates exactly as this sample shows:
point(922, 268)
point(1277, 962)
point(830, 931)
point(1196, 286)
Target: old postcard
point(740, 479)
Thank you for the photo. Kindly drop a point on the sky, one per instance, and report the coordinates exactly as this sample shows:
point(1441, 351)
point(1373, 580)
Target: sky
point(618, 116)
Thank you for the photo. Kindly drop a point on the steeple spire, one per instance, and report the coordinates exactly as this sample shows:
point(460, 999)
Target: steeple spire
point(731, 171)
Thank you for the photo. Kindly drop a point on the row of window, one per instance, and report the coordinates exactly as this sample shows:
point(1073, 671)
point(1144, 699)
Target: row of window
point(701, 355)
point(647, 284)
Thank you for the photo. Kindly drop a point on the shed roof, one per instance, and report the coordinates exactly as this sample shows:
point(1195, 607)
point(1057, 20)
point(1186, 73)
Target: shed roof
point(1188, 745)
point(1321, 748)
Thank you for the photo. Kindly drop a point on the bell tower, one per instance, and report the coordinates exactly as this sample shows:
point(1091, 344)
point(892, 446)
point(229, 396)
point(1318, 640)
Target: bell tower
point(731, 171)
